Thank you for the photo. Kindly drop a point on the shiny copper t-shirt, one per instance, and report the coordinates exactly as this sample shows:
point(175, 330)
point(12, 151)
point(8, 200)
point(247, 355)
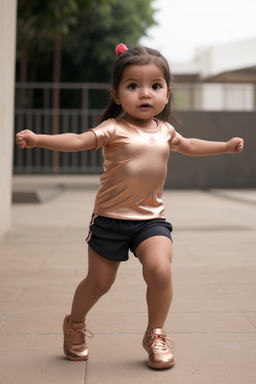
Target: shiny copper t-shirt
point(135, 166)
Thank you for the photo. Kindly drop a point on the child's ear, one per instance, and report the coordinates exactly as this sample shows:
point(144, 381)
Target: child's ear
point(168, 94)
point(114, 95)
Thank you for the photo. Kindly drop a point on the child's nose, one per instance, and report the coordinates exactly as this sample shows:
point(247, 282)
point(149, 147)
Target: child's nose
point(145, 93)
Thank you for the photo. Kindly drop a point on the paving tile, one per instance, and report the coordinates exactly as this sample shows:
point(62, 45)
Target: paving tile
point(116, 322)
point(125, 298)
point(239, 275)
point(194, 274)
point(48, 298)
point(214, 358)
point(3, 316)
point(37, 322)
point(30, 359)
point(243, 295)
point(199, 359)
point(8, 297)
point(220, 322)
point(202, 298)
point(38, 277)
point(223, 250)
point(134, 322)
point(120, 358)
point(251, 316)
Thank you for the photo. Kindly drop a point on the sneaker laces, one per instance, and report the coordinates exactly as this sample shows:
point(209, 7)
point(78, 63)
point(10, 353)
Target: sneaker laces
point(78, 336)
point(161, 343)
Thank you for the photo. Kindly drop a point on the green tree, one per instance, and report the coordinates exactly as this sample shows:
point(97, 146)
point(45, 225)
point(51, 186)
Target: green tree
point(85, 31)
point(41, 22)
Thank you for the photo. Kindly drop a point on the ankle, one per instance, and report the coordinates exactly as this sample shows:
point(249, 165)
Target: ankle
point(72, 320)
point(150, 327)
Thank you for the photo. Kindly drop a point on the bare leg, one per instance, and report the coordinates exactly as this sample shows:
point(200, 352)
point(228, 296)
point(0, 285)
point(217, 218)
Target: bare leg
point(155, 255)
point(101, 275)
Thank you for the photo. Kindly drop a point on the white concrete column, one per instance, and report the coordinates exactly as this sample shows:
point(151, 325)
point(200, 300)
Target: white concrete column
point(8, 14)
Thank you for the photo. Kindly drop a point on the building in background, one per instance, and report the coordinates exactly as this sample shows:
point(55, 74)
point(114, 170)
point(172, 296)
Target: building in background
point(221, 77)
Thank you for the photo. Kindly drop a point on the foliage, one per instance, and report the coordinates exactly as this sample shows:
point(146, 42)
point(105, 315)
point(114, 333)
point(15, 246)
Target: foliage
point(100, 29)
point(90, 30)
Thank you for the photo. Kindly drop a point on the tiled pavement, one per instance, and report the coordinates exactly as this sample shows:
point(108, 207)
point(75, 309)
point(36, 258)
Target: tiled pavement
point(212, 319)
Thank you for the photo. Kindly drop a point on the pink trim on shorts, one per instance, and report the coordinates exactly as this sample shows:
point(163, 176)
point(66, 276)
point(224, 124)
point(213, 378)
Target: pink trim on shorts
point(91, 223)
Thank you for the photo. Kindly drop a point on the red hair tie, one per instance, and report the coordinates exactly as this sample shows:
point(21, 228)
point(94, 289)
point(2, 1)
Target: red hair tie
point(120, 48)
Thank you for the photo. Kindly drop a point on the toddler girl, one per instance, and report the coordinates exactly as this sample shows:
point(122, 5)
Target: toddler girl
point(128, 212)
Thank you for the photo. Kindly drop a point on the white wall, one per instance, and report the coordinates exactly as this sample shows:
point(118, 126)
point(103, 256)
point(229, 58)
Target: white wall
point(227, 97)
point(214, 97)
point(227, 57)
point(7, 65)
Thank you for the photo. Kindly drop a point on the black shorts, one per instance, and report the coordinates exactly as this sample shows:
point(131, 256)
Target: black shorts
point(113, 238)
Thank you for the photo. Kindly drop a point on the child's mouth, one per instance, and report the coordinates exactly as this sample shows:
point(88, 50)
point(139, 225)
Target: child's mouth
point(145, 106)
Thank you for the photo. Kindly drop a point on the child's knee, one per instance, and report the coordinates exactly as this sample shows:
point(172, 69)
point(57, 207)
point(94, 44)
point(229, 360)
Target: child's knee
point(102, 286)
point(160, 277)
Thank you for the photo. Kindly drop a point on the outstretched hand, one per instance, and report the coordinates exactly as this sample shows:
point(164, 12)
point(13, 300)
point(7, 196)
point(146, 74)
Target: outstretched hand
point(235, 145)
point(26, 139)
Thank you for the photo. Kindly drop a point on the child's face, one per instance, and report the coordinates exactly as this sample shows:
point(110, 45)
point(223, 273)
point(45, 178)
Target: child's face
point(142, 92)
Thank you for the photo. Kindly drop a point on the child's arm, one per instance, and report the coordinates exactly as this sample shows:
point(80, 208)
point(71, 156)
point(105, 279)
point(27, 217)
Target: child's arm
point(196, 147)
point(67, 142)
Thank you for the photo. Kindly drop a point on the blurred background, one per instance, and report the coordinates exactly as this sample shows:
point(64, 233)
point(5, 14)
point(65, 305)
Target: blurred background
point(55, 70)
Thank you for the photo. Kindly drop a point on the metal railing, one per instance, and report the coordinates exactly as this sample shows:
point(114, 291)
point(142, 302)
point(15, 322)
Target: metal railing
point(42, 161)
point(33, 111)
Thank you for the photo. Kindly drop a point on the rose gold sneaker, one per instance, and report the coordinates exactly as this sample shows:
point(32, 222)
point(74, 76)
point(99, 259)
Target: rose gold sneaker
point(74, 340)
point(155, 343)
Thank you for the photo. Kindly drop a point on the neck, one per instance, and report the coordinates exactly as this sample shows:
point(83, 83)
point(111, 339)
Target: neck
point(142, 123)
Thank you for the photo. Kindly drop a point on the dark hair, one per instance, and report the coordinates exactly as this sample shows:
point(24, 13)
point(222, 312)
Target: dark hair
point(138, 56)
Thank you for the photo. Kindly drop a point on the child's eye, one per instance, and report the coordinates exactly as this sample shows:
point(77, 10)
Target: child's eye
point(133, 86)
point(156, 86)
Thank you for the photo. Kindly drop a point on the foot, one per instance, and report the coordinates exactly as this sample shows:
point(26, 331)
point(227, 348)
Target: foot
point(155, 343)
point(74, 340)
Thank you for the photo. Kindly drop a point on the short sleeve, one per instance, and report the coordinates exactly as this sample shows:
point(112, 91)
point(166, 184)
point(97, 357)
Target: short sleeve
point(175, 139)
point(105, 133)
